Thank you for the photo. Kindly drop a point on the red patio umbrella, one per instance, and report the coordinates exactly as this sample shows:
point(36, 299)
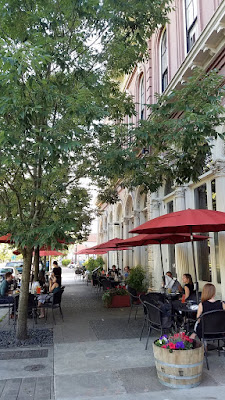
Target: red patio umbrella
point(111, 245)
point(186, 221)
point(45, 253)
point(165, 238)
point(5, 238)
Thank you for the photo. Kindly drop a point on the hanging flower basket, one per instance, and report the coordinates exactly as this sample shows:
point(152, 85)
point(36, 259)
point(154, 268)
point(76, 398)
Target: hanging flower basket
point(179, 361)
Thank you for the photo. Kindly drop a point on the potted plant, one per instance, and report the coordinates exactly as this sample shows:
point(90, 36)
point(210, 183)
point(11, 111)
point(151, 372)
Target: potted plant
point(179, 360)
point(118, 297)
point(137, 279)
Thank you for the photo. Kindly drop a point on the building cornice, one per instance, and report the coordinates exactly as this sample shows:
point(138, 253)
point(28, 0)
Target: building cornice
point(206, 49)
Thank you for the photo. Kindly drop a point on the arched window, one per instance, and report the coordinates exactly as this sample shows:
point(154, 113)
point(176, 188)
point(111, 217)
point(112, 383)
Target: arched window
point(164, 61)
point(141, 97)
point(191, 22)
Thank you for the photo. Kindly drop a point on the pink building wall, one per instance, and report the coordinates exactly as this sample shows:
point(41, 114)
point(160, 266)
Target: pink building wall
point(177, 51)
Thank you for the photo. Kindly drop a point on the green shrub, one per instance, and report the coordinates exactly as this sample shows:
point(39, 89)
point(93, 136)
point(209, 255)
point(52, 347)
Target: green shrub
point(66, 262)
point(137, 279)
point(92, 263)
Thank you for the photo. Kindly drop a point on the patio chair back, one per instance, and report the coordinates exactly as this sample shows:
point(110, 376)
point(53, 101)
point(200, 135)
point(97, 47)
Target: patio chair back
point(154, 316)
point(213, 328)
point(106, 284)
point(57, 297)
point(213, 324)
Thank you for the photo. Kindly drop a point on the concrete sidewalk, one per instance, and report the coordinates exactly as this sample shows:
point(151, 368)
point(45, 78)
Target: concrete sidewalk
point(96, 354)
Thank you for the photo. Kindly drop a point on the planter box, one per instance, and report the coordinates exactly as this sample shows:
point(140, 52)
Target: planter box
point(120, 301)
point(180, 369)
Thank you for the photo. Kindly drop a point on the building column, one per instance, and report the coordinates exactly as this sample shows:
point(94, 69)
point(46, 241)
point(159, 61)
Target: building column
point(125, 236)
point(181, 253)
point(137, 249)
point(220, 206)
point(157, 268)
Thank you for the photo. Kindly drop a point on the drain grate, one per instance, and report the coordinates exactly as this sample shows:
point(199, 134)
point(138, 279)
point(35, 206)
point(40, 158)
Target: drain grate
point(23, 354)
point(35, 367)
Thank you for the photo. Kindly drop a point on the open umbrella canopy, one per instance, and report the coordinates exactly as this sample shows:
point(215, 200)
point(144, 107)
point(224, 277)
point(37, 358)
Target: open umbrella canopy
point(186, 221)
point(110, 244)
point(46, 253)
point(5, 238)
point(164, 238)
point(91, 251)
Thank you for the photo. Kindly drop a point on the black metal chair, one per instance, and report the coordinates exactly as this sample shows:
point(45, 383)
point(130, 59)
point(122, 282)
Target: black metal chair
point(53, 303)
point(135, 302)
point(153, 298)
point(106, 284)
point(155, 319)
point(212, 328)
point(9, 307)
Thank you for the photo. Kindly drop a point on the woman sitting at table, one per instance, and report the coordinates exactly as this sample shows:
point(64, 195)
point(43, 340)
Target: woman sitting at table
point(208, 303)
point(54, 287)
point(188, 286)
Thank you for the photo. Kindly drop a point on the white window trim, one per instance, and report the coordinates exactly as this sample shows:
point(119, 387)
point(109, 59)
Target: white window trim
point(185, 26)
point(160, 58)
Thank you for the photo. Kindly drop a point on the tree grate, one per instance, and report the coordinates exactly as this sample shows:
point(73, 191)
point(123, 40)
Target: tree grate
point(23, 354)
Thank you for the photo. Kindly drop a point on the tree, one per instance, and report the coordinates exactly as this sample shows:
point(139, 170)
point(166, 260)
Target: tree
point(57, 60)
point(175, 142)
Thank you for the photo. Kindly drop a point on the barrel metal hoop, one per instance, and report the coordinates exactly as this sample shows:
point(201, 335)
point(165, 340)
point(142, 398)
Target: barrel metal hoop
point(179, 365)
point(171, 385)
point(179, 377)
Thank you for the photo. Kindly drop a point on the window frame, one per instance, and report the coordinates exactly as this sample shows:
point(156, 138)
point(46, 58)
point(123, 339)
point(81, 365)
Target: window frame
point(193, 24)
point(164, 73)
point(141, 94)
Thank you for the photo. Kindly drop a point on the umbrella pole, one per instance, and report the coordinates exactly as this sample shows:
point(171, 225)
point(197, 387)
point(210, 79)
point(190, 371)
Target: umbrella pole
point(160, 246)
point(193, 255)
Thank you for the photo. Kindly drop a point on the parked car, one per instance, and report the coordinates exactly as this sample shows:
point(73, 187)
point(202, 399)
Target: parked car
point(17, 268)
point(3, 271)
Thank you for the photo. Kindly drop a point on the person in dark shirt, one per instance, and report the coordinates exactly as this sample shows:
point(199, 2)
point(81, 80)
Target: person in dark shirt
point(57, 271)
point(113, 271)
point(208, 303)
point(5, 291)
point(188, 285)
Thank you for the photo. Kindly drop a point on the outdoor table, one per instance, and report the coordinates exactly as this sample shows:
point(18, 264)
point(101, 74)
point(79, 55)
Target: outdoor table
point(184, 310)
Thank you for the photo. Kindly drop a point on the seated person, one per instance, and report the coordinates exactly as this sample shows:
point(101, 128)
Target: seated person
point(54, 287)
point(5, 292)
point(126, 272)
point(113, 271)
point(171, 283)
point(208, 303)
point(188, 286)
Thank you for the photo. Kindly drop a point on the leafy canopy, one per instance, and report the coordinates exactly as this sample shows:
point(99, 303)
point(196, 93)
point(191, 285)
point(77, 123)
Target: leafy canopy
point(57, 59)
point(174, 143)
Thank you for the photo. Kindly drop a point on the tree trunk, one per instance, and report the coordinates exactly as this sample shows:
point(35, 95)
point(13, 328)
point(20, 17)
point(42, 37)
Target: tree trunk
point(36, 264)
point(21, 332)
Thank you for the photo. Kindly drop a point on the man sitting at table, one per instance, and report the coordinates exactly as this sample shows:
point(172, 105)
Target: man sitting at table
point(5, 292)
point(113, 271)
point(172, 283)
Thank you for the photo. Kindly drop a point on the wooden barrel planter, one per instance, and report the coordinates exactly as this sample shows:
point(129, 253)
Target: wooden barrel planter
point(180, 369)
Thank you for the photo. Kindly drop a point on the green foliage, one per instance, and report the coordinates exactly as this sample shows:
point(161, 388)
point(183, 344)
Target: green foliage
point(66, 262)
point(136, 279)
point(6, 253)
point(108, 295)
point(178, 137)
point(92, 263)
point(56, 64)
